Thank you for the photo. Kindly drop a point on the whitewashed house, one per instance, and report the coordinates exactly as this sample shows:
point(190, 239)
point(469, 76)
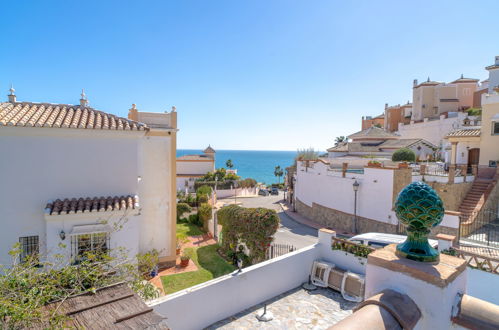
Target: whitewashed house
point(74, 175)
point(193, 167)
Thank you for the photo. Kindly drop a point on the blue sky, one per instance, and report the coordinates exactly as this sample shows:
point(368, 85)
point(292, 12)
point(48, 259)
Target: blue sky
point(264, 75)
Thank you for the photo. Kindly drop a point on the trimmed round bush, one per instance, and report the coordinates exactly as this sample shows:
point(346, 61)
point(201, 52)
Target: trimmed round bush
point(404, 155)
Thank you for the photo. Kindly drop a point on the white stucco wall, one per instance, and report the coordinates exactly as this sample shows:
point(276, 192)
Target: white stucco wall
point(374, 197)
point(194, 167)
point(240, 192)
point(42, 164)
point(154, 190)
point(123, 225)
point(432, 131)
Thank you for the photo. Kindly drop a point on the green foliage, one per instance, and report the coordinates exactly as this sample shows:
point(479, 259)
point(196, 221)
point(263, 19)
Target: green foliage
point(474, 111)
point(307, 154)
point(450, 251)
point(229, 163)
point(203, 190)
point(278, 172)
point(340, 139)
point(194, 220)
point(182, 208)
point(188, 199)
point(232, 177)
point(28, 286)
point(358, 250)
point(404, 155)
point(255, 227)
point(247, 183)
point(204, 214)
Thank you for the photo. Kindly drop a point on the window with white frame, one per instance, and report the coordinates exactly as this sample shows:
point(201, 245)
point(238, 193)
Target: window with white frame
point(29, 246)
point(91, 243)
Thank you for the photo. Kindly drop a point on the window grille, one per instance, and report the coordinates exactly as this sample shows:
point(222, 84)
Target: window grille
point(29, 247)
point(94, 243)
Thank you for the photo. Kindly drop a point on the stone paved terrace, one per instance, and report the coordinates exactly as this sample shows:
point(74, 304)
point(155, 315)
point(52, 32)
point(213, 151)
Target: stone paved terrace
point(294, 309)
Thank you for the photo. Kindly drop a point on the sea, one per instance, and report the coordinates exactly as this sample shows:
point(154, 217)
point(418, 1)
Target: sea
point(255, 164)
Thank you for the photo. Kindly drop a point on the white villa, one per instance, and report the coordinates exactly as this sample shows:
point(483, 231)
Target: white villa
point(192, 167)
point(72, 174)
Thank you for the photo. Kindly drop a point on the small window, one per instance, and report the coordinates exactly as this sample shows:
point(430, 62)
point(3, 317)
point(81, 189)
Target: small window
point(495, 128)
point(94, 243)
point(29, 247)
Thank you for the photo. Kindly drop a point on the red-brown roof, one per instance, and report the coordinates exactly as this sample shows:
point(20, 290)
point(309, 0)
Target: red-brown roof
point(28, 114)
point(95, 204)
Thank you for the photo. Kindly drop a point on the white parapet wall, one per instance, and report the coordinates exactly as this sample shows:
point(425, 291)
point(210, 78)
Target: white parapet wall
point(225, 296)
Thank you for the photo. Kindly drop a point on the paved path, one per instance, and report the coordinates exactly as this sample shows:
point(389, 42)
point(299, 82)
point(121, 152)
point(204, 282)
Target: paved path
point(290, 231)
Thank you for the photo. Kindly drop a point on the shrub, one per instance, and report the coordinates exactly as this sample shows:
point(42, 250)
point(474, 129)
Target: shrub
point(204, 215)
point(232, 177)
point(194, 219)
point(182, 208)
point(202, 199)
point(404, 155)
point(203, 190)
point(247, 183)
point(254, 227)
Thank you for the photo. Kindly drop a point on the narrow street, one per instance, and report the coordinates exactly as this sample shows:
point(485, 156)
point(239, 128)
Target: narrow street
point(290, 231)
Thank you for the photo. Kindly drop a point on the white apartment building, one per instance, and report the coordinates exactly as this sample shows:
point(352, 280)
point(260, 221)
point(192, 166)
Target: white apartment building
point(192, 167)
point(88, 179)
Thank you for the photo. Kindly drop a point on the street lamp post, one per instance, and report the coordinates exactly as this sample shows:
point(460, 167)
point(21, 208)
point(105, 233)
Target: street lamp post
point(355, 189)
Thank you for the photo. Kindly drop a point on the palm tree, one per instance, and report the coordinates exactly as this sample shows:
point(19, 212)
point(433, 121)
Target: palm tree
point(340, 139)
point(229, 163)
point(278, 172)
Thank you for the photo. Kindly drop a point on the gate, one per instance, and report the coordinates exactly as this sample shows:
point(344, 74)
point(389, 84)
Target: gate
point(276, 250)
point(480, 227)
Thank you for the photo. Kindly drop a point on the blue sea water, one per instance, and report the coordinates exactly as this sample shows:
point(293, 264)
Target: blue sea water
point(258, 165)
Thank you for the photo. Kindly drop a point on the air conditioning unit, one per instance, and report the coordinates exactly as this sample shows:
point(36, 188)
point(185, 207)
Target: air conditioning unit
point(320, 273)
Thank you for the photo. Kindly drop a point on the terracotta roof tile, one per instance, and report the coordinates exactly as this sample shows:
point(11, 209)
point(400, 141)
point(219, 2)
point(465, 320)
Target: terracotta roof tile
point(95, 204)
point(28, 114)
point(465, 132)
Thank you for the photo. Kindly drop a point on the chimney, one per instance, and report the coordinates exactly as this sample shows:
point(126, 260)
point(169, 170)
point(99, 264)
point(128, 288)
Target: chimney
point(133, 113)
point(414, 82)
point(386, 105)
point(12, 95)
point(497, 60)
point(83, 100)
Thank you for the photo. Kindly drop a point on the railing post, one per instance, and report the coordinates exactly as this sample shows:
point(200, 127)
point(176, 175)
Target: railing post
point(464, 170)
point(474, 170)
point(452, 173)
point(422, 169)
point(344, 168)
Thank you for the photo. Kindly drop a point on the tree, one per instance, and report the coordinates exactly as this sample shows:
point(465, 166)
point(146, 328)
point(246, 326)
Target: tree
point(27, 286)
point(340, 139)
point(404, 155)
point(182, 208)
point(278, 172)
point(229, 164)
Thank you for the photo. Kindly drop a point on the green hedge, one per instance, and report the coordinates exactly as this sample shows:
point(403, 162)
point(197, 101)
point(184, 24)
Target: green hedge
point(254, 227)
point(204, 215)
point(404, 155)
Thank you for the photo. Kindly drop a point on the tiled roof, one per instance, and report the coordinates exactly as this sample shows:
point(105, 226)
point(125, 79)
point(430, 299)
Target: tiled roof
point(373, 132)
point(388, 144)
point(28, 114)
point(95, 204)
point(465, 132)
point(209, 149)
point(195, 157)
point(465, 80)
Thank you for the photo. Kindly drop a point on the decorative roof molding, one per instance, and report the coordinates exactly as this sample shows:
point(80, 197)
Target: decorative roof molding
point(94, 204)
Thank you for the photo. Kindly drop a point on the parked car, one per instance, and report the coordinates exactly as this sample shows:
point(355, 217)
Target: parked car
point(274, 191)
point(379, 240)
point(263, 192)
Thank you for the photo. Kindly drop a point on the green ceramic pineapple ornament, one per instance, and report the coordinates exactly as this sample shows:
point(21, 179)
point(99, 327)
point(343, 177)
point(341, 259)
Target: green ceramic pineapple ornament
point(420, 208)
